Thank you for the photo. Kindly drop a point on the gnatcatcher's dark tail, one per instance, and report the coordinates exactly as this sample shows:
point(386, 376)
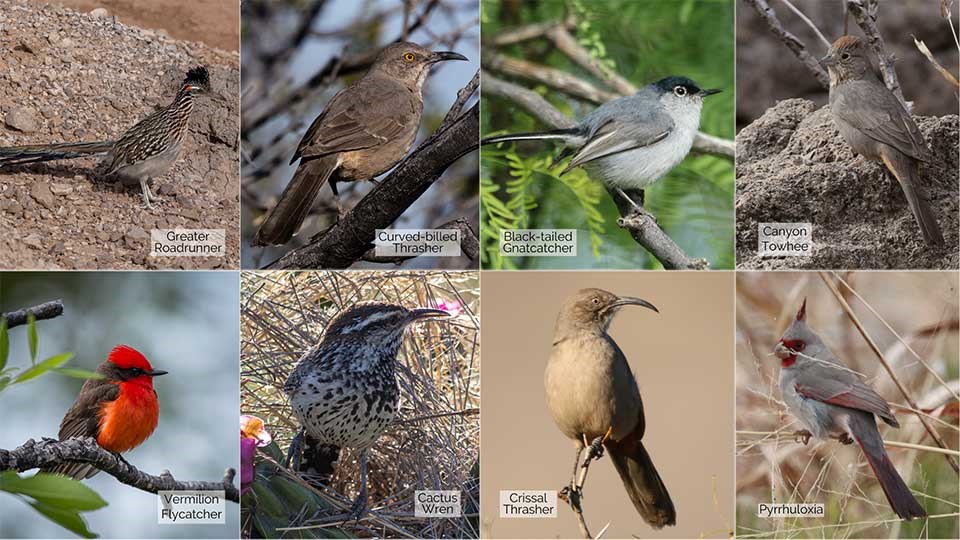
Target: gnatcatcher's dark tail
point(37, 153)
point(562, 134)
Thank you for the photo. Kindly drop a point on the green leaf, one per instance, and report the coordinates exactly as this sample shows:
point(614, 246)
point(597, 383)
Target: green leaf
point(54, 490)
point(79, 373)
point(43, 367)
point(32, 335)
point(68, 519)
point(4, 343)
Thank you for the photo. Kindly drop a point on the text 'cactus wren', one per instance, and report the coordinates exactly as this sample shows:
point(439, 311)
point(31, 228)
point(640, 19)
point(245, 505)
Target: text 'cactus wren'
point(344, 390)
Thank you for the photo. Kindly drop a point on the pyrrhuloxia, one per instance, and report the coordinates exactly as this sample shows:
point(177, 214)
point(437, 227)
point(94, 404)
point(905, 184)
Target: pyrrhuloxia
point(832, 402)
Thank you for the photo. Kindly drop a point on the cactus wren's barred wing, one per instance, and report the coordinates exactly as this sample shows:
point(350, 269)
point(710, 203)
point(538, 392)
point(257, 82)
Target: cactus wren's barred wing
point(145, 151)
point(344, 390)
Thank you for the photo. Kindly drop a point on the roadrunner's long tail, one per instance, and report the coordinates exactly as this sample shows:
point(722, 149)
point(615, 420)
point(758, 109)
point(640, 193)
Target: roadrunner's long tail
point(37, 153)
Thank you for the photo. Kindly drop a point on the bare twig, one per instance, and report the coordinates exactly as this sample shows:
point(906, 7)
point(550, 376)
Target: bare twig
point(46, 310)
point(463, 96)
point(804, 18)
point(925, 51)
point(531, 31)
point(554, 78)
point(47, 453)
point(567, 44)
point(865, 12)
point(886, 365)
point(791, 41)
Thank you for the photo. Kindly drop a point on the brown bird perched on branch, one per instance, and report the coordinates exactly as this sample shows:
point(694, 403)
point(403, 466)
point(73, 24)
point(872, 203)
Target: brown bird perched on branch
point(365, 130)
point(877, 126)
point(344, 390)
point(595, 401)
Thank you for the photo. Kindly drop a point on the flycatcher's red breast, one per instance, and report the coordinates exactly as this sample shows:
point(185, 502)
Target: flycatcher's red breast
point(120, 410)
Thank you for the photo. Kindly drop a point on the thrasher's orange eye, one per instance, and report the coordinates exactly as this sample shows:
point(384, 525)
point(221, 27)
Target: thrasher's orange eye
point(409, 57)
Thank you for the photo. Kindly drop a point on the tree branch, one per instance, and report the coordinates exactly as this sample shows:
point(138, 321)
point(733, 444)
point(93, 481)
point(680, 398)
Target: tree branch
point(47, 453)
point(46, 310)
point(791, 41)
point(348, 240)
point(865, 12)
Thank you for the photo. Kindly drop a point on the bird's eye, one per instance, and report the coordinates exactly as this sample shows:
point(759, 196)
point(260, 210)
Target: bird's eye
point(680, 91)
point(409, 56)
point(595, 300)
point(845, 56)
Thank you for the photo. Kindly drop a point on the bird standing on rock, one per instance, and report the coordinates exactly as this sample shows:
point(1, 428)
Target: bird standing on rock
point(365, 130)
point(595, 401)
point(344, 390)
point(877, 126)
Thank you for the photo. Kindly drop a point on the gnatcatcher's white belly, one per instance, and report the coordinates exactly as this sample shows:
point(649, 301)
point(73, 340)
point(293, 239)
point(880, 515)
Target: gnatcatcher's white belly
point(638, 168)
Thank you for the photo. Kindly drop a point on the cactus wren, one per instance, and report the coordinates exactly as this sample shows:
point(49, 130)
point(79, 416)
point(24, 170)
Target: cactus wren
point(344, 390)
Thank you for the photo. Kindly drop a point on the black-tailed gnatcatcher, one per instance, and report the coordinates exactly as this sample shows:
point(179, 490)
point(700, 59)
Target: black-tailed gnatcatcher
point(631, 142)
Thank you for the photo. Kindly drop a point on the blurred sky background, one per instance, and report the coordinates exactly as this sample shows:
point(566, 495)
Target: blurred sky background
point(351, 27)
point(185, 323)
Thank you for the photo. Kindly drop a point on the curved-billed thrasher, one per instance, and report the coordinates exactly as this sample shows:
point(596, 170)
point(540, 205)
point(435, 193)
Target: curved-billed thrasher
point(344, 391)
point(877, 126)
point(594, 398)
point(365, 130)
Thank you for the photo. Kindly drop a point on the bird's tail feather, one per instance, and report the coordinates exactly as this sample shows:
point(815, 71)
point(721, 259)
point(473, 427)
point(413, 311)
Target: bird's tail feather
point(285, 218)
point(533, 136)
point(642, 482)
point(904, 169)
point(864, 431)
point(37, 153)
point(77, 471)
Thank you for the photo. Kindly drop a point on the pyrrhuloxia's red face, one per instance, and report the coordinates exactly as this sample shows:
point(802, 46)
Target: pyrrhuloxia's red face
point(787, 349)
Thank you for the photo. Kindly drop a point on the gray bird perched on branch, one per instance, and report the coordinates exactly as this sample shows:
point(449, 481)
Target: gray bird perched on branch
point(365, 130)
point(877, 126)
point(631, 142)
point(344, 391)
point(595, 401)
point(142, 153)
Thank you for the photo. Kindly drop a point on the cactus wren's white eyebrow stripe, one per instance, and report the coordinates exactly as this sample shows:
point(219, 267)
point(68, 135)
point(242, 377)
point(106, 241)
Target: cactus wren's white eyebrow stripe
point(344, 390)
point(145, 151)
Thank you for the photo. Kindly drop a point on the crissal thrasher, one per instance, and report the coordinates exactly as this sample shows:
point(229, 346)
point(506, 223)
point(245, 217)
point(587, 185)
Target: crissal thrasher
point(344, 390)
point(595, 401)
point(119, 410)
point(365, 130)
point(143, 152)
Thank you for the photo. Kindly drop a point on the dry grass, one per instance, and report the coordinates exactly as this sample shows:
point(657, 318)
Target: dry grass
point(434, 442)
point(912, 317)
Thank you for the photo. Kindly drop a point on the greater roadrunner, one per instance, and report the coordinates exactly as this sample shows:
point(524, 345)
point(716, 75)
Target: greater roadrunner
point(143, 152)
point(344, 390)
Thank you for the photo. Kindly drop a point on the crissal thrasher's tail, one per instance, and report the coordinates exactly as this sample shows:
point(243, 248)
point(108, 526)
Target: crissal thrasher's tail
point(533, 136)
point(37, 153)
point(864, 431)
point(295, 202)
point(642, 482)
point(319, 460)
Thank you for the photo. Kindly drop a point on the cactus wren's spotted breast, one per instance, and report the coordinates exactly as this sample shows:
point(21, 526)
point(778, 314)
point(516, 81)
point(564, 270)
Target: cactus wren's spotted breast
point(344, 390)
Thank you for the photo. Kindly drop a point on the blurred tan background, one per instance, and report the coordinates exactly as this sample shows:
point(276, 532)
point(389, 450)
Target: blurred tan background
point(922, 308)
point(682, 361)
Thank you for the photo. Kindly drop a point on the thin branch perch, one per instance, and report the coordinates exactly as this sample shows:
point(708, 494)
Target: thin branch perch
point(791, 41)
point(47, 453)
point(46, 310)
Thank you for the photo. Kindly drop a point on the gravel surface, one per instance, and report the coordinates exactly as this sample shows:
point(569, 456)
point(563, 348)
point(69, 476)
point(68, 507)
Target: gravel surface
point(71, 77)
point(793, 166)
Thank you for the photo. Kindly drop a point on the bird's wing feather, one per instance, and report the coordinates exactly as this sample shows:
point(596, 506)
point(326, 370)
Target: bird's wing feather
point(83, 418)
point(348, 124)
point(615, 136)
point(850, 393)
point(887, 122)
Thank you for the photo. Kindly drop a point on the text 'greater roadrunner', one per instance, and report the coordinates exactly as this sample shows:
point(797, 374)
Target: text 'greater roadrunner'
point(344, 391)
point(143, 152)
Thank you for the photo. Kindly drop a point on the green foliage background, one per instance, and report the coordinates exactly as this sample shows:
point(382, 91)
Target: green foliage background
point(644, 40)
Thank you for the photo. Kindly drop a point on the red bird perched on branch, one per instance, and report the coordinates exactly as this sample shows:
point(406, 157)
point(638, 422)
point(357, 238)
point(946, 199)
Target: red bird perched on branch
point(119, 410)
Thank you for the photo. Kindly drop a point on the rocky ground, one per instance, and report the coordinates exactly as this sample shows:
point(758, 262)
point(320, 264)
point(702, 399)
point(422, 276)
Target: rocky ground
point(793, 166)
point(69, 76)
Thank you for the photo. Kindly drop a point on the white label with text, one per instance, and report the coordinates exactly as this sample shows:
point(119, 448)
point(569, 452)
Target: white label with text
point(538, 242)
point(528, 504)
point(436, 503)
point(187, 243)
point(781, 510)
point(785, 240)
point(417, 242)
point(191, 507)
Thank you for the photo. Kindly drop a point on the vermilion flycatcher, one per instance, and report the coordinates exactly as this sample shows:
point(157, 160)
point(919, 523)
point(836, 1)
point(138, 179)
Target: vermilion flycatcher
point(119, 410)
